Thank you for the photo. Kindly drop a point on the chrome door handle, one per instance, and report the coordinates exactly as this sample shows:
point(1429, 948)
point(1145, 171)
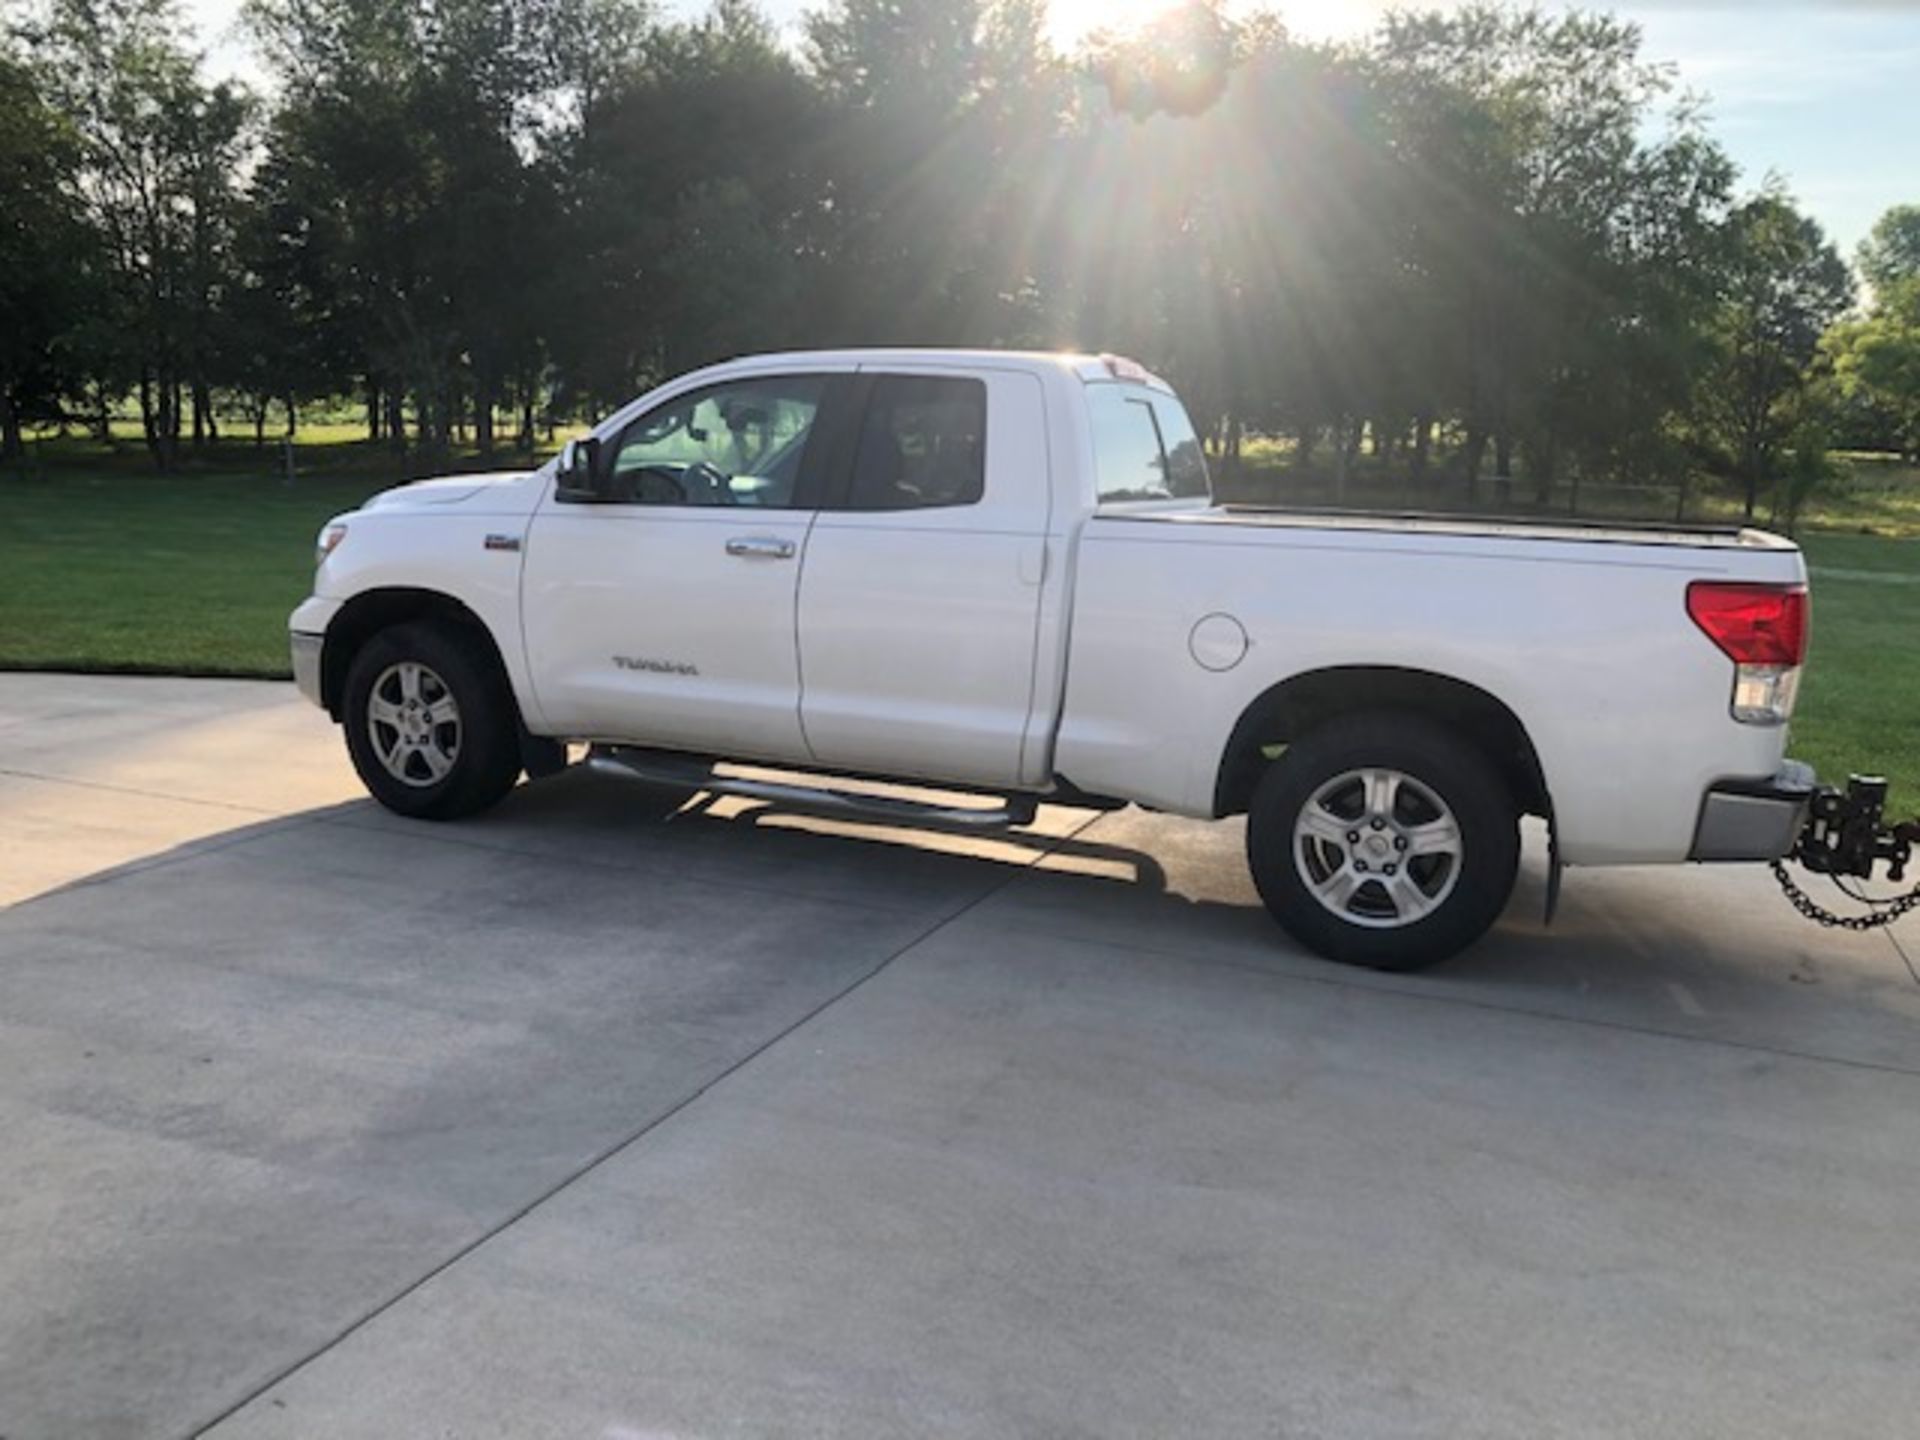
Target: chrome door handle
point(760, 547)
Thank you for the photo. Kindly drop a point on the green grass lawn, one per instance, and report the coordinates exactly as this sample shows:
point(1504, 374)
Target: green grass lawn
point(190, 575)
point(106, 566)
point(1860, 705)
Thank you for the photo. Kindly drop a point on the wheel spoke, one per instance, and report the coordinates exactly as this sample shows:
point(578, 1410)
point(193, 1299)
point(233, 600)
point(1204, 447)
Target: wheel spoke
point(1336, 891)
point(1382, 788)
point(443, 711)
point(383, 711)
point(438, 761)
point(408, 675)
point(1322, 825)
point(1410, 902)
point(1436, 837)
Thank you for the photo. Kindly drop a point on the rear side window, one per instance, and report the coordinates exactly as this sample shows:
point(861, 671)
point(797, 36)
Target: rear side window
point(1144, 448)
point(923, 445)
point(1186, 462)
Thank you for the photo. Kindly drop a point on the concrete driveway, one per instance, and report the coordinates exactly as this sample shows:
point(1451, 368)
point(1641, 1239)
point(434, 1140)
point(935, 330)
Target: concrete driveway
point(617, 1115)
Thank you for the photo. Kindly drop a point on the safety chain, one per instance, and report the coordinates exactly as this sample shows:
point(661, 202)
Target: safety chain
point(1887, 912)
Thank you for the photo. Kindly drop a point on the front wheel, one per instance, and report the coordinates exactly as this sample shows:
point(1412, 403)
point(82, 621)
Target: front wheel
point(430, 723)
point(1384, 841)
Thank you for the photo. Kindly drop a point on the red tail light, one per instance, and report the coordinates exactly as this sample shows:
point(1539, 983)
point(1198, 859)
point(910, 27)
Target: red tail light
point(1752, 624)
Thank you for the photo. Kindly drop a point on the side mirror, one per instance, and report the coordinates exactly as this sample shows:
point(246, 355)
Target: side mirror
point(579, 472)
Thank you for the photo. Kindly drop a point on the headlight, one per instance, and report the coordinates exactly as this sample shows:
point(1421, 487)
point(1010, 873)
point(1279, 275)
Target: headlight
point(328, 542)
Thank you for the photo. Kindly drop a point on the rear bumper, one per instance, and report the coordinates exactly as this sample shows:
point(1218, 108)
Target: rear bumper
point(1753, 819)
point(306, 663)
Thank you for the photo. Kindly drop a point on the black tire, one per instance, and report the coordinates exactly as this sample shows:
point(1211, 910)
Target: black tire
point(480, 748)
point(1371, 927)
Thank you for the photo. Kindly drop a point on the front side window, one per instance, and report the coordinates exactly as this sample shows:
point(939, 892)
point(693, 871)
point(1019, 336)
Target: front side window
point(738, 443)
point(1144, 448)
point(923, 445)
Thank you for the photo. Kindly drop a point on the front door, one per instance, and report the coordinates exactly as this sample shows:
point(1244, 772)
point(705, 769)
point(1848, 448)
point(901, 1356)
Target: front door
point(664, 614)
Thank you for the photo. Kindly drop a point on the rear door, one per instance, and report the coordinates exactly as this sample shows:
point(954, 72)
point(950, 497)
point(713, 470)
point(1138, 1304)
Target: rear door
point(920, 595)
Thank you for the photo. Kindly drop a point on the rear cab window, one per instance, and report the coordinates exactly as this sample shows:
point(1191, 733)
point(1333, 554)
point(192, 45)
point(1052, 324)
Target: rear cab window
point(922, 444)
point(1144, 447)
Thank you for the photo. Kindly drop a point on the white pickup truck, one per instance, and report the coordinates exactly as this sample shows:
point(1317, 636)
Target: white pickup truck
point(1003, 573)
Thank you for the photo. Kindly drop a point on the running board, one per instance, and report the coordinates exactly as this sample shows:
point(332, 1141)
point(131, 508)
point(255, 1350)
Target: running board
point(664, 768)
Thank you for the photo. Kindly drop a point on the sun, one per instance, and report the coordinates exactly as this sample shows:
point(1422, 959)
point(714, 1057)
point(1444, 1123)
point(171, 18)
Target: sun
point(1071, 21)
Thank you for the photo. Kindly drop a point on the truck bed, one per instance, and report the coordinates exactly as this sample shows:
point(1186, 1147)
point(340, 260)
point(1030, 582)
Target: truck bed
point(1581, 632)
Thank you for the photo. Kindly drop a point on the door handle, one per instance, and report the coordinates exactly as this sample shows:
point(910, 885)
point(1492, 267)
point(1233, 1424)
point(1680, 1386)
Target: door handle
point(760, 547)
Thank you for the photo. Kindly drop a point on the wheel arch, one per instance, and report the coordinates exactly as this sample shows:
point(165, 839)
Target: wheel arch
point(372, 611)
point(1285, 712)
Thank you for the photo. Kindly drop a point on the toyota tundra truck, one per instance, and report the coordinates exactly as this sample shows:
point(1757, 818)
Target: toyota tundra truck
point(1003, 575)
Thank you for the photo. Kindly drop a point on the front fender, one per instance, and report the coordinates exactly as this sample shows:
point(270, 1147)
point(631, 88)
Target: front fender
point(467, 557)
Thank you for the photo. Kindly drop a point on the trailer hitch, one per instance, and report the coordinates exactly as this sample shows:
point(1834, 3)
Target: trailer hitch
point(1846, 833)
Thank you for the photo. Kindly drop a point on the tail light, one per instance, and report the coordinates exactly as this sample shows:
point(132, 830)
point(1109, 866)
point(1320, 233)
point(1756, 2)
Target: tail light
point(1763, 630)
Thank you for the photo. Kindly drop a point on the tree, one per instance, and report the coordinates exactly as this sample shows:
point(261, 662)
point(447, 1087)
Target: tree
point(215, 133)
point(286, 332)
point(1891, 251)
point(1877, 360)
point(158, 150)
point(1486, 238)
point(1561, 233)
point(902, 142)
point(45, 254)
point(412, 136)
point(913, 55)
point(1785, 285)
point(692, 191)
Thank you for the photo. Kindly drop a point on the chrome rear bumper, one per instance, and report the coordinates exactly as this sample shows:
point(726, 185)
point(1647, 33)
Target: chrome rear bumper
point(1754, 819)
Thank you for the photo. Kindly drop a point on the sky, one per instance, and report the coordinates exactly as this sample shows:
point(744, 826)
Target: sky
point(1826, 95)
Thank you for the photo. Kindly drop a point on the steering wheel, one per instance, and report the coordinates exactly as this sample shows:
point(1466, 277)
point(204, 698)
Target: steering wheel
point(713, 477)
point(656, 485)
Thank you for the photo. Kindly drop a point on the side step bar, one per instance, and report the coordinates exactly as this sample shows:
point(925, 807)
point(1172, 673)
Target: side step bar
point(665, 768)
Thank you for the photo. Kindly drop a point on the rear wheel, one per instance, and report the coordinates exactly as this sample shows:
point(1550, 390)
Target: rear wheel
point(1384, 840)
point(430, 723)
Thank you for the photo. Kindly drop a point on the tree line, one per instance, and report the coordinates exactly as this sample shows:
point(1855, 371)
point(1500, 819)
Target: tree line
point(1484, 242)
